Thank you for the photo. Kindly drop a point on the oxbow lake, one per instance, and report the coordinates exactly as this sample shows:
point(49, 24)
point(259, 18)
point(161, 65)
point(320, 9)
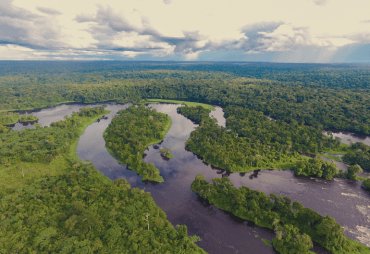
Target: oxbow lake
point(221, 232)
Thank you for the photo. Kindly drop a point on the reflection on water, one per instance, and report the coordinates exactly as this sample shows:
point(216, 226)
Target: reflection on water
point(221, 232)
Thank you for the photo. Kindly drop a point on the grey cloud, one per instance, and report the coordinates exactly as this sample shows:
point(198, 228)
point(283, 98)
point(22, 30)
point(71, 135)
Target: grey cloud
point(167, 1)
point(106, 16)
point(253, 32)
point(84, 18)
point(49, 11)
point(21, 27)
point(8, 10)
point(365, 21)
point(360, 38)
point(109, 24)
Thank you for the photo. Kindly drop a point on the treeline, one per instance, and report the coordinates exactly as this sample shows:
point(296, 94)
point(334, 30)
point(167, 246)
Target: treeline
point(84, 212)
point(196, 114)
point(43, 144)
point(256, 127)
point(252, 141)
point(130, 132)
point(306, 104)
point(7, 118)
point(347, 76)
point(316, 167)
point(222, 148)
point(296, 226)
point(28, 118)
point(358, 153)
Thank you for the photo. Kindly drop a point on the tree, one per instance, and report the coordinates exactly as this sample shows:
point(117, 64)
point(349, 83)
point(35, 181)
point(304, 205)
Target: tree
point(289, 241)
point(352, 170)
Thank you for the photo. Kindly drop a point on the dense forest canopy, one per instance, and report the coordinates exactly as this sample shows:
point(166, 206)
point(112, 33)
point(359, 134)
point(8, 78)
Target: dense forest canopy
point(78, 210)
point(275, 212)
point(81, 211)
point(310, 105)
point(329, 75)
point(130, 132)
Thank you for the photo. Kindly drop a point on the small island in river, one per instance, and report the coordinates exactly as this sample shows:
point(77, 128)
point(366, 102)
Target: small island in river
point(130, 132)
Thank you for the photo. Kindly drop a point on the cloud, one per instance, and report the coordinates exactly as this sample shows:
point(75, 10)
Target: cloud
point(22, 27)
point(49, 11)
point(182, 29)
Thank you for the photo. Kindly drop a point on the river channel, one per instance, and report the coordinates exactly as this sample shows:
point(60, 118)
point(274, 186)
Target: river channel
point(221, 232)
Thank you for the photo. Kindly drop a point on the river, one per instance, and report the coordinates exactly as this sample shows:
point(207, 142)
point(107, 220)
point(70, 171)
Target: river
point(221, 232)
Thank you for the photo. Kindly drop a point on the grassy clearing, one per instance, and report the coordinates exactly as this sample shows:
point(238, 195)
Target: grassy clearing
point(11, 177)
point(342, 149)
point(331, 157)
point(189, 103)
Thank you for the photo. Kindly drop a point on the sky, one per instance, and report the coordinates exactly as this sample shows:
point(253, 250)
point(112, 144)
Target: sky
point(294, 31)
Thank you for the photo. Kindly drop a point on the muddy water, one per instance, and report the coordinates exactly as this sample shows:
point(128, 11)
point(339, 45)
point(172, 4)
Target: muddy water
point(220, 232)
point(348, 137)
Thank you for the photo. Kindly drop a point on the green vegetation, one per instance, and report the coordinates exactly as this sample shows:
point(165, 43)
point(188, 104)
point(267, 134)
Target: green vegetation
point(28, 118)
point(8, 118)
point(33, 153)
point(256, 127)
point(44, 144)
point(289, 240)
point(260, 143)
point(67, 206)
point(267, 242)
point(196, 114)
point(352, 170)
point(358, 153)
point(166, 152)
point(366, 184)
point(188, 103)
point(294, 225)
point(332, 157)
point(306, 103)
point(81, 211)
point(316, 167)
point(130, 132)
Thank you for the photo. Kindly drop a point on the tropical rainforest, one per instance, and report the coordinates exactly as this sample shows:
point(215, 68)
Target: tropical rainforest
point(131, 132)
point(295, 226)
point(53, 202)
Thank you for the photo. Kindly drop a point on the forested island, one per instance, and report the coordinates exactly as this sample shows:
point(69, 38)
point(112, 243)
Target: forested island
point(295, 226)
point(53, 202)
point(130, 132)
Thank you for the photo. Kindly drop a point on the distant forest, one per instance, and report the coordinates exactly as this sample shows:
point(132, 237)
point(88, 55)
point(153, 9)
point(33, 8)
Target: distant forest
point(323, 96)
point(348, 76)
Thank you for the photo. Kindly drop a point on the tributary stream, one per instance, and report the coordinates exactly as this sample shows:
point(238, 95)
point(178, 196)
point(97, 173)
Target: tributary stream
point(221, 232)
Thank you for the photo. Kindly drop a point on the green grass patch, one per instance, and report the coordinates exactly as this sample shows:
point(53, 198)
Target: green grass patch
point(342, 149)
point(189, 103)
point(331, 157)
point(266, 242)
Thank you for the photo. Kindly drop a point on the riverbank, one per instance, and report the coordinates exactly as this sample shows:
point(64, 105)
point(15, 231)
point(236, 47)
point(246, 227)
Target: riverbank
point(189, 103)
point(17, 175)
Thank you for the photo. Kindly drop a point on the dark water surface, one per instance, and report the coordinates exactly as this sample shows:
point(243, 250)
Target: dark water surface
point(220, 232)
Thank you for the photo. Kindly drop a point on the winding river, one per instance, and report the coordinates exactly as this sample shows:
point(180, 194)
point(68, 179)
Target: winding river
point(221, 232)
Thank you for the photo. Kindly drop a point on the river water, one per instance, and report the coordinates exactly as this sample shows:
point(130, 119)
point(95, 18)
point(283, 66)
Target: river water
point(221, 232)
